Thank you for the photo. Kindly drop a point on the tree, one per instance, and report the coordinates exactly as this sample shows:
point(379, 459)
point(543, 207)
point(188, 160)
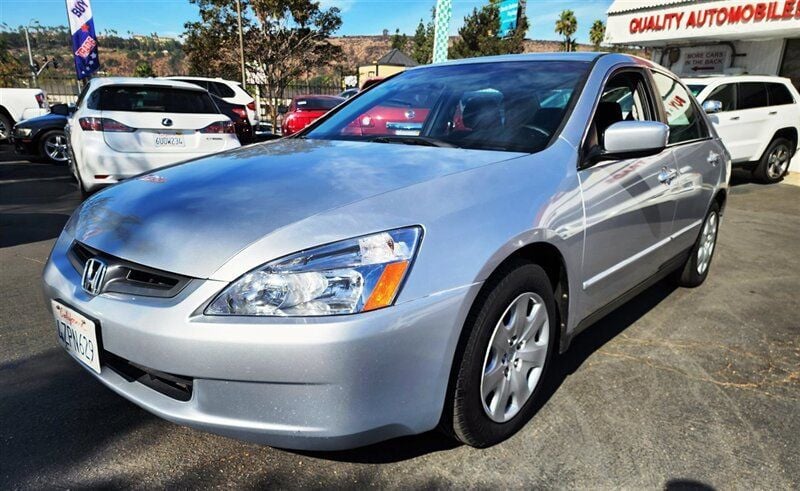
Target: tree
point(478, 35)
point(143, 69)
point(422, 43)
point(285, 39)
point(597, 33)
point(566, 25)
point(399, 41)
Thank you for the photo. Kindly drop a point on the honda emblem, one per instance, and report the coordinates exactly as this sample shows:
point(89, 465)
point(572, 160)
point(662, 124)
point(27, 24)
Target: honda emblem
point(94, 274)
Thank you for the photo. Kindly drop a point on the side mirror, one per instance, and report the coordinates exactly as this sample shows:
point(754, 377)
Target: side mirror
point(633, 139)
point(72, 107)
point(283, 109)
point(60, 109)
point(711, 107)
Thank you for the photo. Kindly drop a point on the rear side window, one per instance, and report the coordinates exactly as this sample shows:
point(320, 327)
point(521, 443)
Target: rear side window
point(779, 95)
point(726, 94)
point(752, 95)
point(152, 99)
point(684, 120)
point(221, 89)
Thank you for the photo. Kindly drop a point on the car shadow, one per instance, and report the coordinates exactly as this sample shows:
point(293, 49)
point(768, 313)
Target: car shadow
point(24, 228)
point(582, 347)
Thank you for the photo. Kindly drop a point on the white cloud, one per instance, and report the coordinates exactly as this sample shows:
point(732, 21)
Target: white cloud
point(343, 5)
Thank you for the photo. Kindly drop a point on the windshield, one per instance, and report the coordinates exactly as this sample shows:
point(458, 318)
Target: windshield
point(512, 106)
point(150, 99)
point(696, 89)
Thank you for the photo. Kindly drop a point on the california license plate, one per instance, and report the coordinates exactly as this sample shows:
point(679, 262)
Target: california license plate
point(170, 140)
point(77, 334)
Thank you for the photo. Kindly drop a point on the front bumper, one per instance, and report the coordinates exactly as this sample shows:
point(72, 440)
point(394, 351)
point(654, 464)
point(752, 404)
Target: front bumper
point(305, 383)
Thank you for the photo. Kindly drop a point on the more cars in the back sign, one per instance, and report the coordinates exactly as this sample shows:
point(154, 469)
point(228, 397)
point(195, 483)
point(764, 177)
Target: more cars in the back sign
point(334, 289)
point(122, 127)
point(757, 117)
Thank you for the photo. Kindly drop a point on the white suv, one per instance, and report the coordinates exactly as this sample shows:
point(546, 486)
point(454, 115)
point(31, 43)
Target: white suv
point(227, 90)
point(122, 127)
point(757, 117)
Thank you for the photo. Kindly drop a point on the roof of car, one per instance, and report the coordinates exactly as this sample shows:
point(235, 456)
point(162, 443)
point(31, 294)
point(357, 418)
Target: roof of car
point(212, 79)
point(586, 56)
point(138, 81)
point(733, 78)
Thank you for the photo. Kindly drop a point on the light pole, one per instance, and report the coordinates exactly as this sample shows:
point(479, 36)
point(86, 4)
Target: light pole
point(30, 56)
point(241, 43)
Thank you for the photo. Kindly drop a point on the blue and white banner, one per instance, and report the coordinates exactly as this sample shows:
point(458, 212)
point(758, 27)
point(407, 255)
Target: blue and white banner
point(84, 40)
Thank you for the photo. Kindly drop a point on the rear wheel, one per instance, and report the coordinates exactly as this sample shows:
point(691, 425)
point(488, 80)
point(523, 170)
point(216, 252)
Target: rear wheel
point(53, 147)
point(775, 161)
point(695, 270)
point(505, 359)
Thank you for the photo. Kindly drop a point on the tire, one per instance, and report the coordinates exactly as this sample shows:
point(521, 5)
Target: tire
point(53, 147)
point(775, 162)
point(498, 376)
point(81, 189)
point(6, 125)
point(695, 271)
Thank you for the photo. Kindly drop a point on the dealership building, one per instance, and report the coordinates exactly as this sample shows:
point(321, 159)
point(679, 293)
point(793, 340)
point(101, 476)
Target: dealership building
point(713, 37)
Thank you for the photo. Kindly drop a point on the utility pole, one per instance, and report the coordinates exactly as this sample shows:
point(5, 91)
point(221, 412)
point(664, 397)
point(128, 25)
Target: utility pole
point(241, 43)
point(30, 59)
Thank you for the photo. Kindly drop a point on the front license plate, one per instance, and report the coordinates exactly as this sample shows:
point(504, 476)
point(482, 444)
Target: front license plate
point(77, 334)
point(166, 140)
point(406, 132)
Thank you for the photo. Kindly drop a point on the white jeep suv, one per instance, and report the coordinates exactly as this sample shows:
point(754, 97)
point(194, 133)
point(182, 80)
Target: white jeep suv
point(757, 117)
point(227, 90)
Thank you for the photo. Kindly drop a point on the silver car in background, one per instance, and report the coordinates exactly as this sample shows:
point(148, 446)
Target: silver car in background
point(343, 287)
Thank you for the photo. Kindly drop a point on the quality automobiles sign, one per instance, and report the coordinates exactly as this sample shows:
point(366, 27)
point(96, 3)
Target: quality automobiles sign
point(732, 18)
point(721, 15)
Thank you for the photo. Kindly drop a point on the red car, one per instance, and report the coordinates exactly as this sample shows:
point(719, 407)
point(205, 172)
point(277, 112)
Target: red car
point(393, 117)
point(304, 109)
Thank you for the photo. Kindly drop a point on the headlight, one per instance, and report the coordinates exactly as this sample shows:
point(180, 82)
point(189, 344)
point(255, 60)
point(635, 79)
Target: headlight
point(22, 132)
point(346, 277)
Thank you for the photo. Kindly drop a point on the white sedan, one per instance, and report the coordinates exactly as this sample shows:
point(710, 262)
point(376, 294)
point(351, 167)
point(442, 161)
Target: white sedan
point(123, 127)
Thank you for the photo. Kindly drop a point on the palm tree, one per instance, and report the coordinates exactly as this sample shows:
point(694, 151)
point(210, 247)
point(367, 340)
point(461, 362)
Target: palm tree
point(566, 25)
point(597, 33)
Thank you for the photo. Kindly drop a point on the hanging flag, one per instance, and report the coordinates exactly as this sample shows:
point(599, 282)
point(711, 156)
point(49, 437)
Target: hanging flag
point(84, 40)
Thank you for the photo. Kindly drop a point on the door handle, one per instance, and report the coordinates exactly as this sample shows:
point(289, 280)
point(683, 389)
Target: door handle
point(713, 158)
point(667, 175)
point(735, 118)
point(773, 113)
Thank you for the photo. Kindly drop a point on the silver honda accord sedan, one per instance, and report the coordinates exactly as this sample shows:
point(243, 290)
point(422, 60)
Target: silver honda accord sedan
point(414, 259)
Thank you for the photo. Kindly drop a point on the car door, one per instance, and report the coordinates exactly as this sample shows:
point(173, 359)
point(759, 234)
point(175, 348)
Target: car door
point(627, 203)
point(753, 126)
point(728, 122)
point(698, 158)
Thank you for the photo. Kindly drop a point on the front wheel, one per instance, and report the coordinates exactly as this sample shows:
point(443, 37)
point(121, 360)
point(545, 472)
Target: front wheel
point(695, 270)
point(511, 337)
point(775, 161)
point(53, 147)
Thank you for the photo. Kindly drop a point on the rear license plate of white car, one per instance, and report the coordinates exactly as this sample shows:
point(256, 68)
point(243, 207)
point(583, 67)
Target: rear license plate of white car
point(77, 334)
point(170, 140)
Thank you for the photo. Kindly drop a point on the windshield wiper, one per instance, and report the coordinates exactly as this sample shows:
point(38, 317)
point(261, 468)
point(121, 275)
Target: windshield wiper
point(414, 140)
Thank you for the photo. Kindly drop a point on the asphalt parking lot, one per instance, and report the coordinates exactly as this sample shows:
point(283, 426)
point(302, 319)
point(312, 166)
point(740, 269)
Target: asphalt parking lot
point(678, 388)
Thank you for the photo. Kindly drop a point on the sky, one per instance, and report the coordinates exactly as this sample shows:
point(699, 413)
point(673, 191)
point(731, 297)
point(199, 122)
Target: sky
point(166, 17)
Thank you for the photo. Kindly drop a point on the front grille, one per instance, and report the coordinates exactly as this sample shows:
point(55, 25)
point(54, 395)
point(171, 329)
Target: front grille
point(126, 277)
point(177, 387)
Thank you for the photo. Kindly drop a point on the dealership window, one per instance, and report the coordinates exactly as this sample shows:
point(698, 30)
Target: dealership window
point(725, 94)
point(752, 95)
point(683, 118)
point(779, 95)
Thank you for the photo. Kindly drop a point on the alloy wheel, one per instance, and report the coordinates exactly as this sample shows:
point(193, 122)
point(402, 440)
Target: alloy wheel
point(56, 148)
point(3, 130)
point(778, 162)
point(708, 239)
point(515, 357)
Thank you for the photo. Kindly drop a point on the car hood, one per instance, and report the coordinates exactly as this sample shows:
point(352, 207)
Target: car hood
point(191, 218)
point(47, 119)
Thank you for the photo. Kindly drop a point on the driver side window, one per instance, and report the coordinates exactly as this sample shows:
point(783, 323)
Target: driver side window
point(624, 98)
